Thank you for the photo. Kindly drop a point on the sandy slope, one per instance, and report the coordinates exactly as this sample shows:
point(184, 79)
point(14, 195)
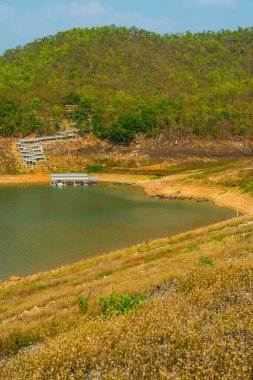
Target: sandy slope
point(173, 186)
point(24, 179)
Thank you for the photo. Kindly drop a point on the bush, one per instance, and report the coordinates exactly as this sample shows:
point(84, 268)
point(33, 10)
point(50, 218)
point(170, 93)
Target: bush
point(19, 339)
point(5, 293)
point(95, 168)
point(192, 247)
point(206, 261)
point(119, 304)
point(41, 287)
point(83, 304)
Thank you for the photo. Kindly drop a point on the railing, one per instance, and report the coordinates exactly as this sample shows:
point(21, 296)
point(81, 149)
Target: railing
point(31, 152)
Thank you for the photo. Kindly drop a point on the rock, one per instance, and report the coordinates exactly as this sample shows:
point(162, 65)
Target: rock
point(15, 278)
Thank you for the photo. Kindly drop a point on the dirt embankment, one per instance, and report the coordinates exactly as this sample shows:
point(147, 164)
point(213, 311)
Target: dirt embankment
point(142, 156)
point(177, 186)
point(18, 179)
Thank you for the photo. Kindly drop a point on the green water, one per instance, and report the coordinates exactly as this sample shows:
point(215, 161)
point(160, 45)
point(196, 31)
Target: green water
point(42, 227)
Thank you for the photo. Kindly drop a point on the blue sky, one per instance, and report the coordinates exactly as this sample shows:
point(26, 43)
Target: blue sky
point(22, 21)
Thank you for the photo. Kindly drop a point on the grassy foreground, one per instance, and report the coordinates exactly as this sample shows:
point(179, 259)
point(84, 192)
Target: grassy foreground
point(194, 320)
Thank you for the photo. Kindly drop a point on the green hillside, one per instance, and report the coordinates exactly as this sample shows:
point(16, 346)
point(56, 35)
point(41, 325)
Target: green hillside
point(128, 80)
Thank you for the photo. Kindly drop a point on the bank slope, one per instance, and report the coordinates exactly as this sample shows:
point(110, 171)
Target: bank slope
point(193, 318)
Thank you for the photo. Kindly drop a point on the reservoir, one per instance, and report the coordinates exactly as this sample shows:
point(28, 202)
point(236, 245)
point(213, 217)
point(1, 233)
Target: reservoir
point(43, 227)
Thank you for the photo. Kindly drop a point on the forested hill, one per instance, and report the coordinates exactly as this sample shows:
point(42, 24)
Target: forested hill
point(128, 80)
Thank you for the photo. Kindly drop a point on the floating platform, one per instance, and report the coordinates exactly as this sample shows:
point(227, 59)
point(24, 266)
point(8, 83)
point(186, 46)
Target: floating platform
point(73, 179)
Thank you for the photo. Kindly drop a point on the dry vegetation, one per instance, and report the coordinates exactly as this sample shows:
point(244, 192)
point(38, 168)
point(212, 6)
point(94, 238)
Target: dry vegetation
point(143, 156)
point(195, 322)
point(8, 159)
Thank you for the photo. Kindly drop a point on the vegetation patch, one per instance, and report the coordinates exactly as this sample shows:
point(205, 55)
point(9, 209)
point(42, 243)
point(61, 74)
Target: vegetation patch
point(95, 168)
point(5, 293)
point(192, 247)
point(82, 303)
point(20, 339)
point(119, 304)
point(158, 255)
point(219, 237)
point(206, 261)
point(41, 287)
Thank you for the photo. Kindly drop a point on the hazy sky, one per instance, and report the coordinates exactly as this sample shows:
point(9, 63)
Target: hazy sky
point(22, 21)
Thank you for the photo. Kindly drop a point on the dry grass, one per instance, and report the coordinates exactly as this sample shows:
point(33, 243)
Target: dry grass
point(196, 322)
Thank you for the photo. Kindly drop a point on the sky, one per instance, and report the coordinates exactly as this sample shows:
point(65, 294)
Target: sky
point(22, 21)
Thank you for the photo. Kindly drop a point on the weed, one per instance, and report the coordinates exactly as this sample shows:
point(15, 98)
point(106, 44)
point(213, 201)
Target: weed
point(5, 293)
point(83, 304)
point(95, 168)
point(127, 266)
point(119, 304)
point(219, 237)
point(248, 187)
point(158, 255)
point(19, 339)
point(206, 261)
point(149, 258)
point(165, 251)
point(41, 287)
point(192, 247)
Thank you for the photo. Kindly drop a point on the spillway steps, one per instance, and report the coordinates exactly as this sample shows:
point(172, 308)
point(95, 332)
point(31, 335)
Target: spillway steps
point(31, 153)
point(31, 150)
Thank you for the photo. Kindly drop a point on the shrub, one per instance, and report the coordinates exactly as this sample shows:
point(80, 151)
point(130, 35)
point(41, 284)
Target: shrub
point(158, 255)
point(95, 168)
point(219, 237)
point(192, 247)
point(19, 339)
point(83, 304)
point(119, 304)
point(41, 287)
point(5, 293)
point(206, 261)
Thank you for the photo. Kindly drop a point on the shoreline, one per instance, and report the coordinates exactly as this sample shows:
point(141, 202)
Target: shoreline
point(169, 186)
point(24, 179)
point(172, 186)
point(41, 178)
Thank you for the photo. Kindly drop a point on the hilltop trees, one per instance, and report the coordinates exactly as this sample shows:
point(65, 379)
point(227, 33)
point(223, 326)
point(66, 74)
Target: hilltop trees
point(128, 81)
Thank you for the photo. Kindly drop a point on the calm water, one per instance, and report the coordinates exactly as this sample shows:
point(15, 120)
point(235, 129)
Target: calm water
point(42, 227)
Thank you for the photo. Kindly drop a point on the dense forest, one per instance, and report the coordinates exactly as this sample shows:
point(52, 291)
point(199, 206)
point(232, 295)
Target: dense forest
point(128, 81)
